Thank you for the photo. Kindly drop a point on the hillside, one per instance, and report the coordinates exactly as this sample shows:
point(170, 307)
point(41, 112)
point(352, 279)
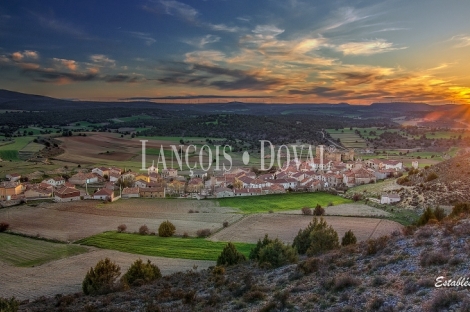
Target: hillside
point(445, 183)
point(394, 273)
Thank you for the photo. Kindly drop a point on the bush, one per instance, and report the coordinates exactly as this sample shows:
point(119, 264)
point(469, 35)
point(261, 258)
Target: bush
point(122, 228)
point(4, 226)
point(344, 281)
point(101, 279)
point(306, 211)
point(140, 273)
point(439, 213)
point(433, 258)
point(319, 211)
point(460, 208)
point(218, 270)
point(427, 215)
point(348, 239)
point(431, 176)
point(230, 256)
point(185, 235)
point(9, 305)
point(254, 253)
point(375, 245)
point(144, 230)
point(276, 254)
point(444, 300)
point(166, 229)
point(357, 197)
point(309, 266)
point(225, 224)
point(316, 238)
point(203, 232)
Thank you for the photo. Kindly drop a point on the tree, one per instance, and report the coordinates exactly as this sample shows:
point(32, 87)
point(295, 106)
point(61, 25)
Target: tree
point(317, 237)
point(427, 215)
point(237, 184)
point(230, 255)
point(102, 278)
point(276, 254)
point(254, 253)
point(318, 211)
point(348, 239)
point(141, 273)
point(166, 229)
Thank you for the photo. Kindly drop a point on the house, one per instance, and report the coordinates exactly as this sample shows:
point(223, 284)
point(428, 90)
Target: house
point(152, 168)
point(393, 164)
point(82, 178)
point(141, 183)
point(169, 173)
point(65, 194)
point(195, 185)
point(152, 192)
point(415, 164)
point(198, 173)
point(222, 192)
point(9, 189)
point(274, 189)
point(101, 171)
point(130, 192)
point(40, 190)
point(286, 183)
point(104, 194)
point(110, 186)
point(248, 192)
point(114, 176)
point(13, 177)
point(155, 177)
point(389, 198)
point(142, 176)
point(56, 181)
point(176, 187)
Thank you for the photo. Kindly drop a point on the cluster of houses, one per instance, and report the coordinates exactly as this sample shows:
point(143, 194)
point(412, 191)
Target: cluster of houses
point(110, 183)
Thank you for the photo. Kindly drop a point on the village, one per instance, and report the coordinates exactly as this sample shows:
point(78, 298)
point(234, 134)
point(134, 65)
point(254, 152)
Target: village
point(329, 171)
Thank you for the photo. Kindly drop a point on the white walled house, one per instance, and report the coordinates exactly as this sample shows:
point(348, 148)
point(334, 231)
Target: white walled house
point(389, 198)
point(57, 181)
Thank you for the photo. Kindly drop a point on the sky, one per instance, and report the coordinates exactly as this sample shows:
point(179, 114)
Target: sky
point(269, 51)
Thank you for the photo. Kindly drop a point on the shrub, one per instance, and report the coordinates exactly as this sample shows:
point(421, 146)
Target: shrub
point(319, 211)
point(306, 211)
point(191, 211)
point(122, 228)
point(344, 281)
point(427, 215)
point(218, 270)
point(375, 245)
point(101, 279)
point(439, 213)
point(4, 226)
point(309, 266)
point(433, 258)
point(460, 208)
point(431, 176)
point(185, 235)
point(444, 300)
point(225, 224)
point(141, 273)
point(254, 252)
point(144, 230)
point(230, 256)
point(276, 254)
point(166, 229)
point(317, 237)
point(357, 197)
point(348, 239)
point(9, 305)
point(203, 232)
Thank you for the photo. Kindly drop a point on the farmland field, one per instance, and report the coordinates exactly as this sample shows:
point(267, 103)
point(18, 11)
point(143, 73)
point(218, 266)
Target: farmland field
point(170, 247)
point(279, 202)
point(286, 227)
point(347, 138)
point(76, 220)
point(27, 252)
point(65, 276)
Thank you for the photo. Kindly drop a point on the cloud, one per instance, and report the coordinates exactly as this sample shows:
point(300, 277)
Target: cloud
point(102, 60)
point(194, 97)
point(179, 9)
point(144, 36)
point(201, 42)
point(206, 57)
point(267, 32)
point(462, 41)
point(27, 54)
point(223, 27)
point(366, 47)
point(69, 64)
point(58, 26)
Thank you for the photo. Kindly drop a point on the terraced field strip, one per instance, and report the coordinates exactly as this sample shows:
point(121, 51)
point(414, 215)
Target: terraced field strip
point(170, 247)
point(26, 252)
point(279, 202)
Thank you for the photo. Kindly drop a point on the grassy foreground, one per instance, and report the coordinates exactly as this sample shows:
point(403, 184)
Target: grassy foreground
point(169, 247)
point(26, 252)
point(278, 202)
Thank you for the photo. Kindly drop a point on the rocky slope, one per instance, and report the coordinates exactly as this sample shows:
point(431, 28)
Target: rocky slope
point(394, 273)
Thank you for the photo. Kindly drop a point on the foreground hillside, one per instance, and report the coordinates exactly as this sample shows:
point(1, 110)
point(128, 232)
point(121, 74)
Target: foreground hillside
point(388, 274)
point(442, 184)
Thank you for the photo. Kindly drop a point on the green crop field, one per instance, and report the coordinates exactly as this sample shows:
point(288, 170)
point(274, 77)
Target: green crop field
point(9, 155)
point(17, 144)
point(26, 252)
point(169, 247)
point(279, 202)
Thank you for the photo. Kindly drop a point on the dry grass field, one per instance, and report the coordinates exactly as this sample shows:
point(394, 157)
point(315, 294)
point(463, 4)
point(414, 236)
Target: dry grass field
point(286, 227)
point(76, 220)
point(65, 276)
point(348, 210)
